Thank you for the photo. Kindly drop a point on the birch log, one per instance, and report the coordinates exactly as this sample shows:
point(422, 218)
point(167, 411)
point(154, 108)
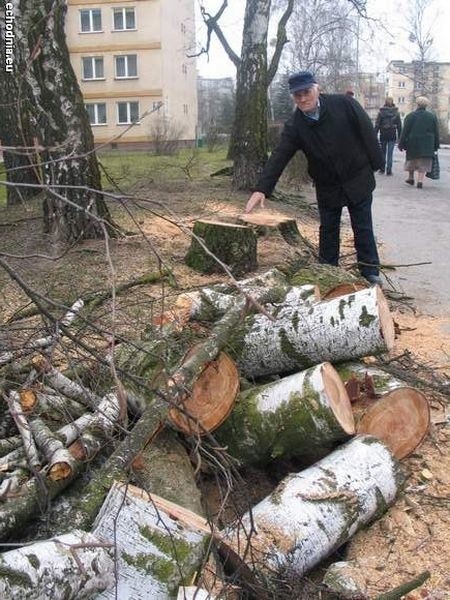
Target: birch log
point(74, 565)
point(312, 513)
point(60, 462)
point(158, 544)
point(388, 408)
point(294, 416)
point(344, 328)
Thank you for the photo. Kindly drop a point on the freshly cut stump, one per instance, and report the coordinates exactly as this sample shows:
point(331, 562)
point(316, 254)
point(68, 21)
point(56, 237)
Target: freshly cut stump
point(263, 222)
point(212, 398)
point(234, 245)
point(401, 419)
point(312, 513)
point(301, 335)
point(300, 415)
point(158, 545)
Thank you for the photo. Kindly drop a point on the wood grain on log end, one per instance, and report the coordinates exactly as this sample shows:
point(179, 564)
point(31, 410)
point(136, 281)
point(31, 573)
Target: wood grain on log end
point(400, 419)
point(386, 321)
point(342, 289)
point(60, 470)
point(338, 398)
point(28, 400)
point(212, 399)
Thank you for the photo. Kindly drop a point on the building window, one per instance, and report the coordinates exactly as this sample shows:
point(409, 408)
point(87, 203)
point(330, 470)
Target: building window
point(127, 113)
point(97, 113)
point(184, 69)
point(401, 84)
point(90, 20)
point(124, 19)
point(185, 109)
point(93, 67)
point(401, 99)
point(183, 28)
point(126, 66)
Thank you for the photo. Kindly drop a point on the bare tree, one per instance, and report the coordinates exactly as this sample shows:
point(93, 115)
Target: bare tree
point(73, 208)
point(248, 145)
point(419, 26)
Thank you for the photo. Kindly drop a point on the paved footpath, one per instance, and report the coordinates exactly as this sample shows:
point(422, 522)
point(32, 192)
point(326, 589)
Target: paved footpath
point(413, 226)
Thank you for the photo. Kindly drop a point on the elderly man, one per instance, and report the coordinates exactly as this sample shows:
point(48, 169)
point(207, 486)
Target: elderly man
point(342, 150)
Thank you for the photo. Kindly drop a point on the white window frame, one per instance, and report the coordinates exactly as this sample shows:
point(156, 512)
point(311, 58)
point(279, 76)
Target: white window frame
point(127, 76)
point(91, 20)
point(96, 121)
point(124, 9)
point(93, 59)
point(129, 121)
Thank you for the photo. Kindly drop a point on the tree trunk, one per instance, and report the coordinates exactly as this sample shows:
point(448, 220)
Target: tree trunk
point(158, 544)
point(387, 408)
point(301, 415)
point(74, 565)
point(248, 145)
point(350, 326)
point(327, 277)
point(233, 245)
point(56, 104)
point(311, 514)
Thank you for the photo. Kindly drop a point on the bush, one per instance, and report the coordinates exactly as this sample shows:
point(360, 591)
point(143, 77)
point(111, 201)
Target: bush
point(165, 136)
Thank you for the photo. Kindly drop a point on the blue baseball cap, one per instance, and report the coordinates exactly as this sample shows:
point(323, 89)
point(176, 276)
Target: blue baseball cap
point(301, 81)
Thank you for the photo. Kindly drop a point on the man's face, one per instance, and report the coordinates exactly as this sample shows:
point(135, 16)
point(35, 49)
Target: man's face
point(306, 100)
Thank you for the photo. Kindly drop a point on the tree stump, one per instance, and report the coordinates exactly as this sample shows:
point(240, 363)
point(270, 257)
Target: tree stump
point(264, 223)
point(234, 245)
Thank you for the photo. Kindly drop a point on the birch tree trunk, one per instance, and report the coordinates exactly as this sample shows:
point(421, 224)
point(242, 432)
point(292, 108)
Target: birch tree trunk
point(74, 565)
point(56, 105)
point(299, 415)
point(312, 513)
point(158, 544)
point(344, 328)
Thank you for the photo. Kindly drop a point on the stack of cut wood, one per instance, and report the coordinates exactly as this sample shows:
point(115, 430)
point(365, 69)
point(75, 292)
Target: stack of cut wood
point(263, 366)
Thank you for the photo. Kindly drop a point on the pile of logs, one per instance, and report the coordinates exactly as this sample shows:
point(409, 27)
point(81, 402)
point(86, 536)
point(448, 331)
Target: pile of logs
point(262, 368)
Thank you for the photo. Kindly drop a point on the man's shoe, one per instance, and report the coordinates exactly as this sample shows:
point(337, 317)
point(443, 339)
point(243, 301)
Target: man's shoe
point(388, 172)
point(419, 185)
point(374, 280)
point(409, 181)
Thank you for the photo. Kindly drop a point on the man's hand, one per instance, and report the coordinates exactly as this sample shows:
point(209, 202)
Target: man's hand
point(256, 199)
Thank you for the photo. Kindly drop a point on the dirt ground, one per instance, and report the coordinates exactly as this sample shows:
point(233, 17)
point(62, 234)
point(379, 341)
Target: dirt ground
point(414, 536)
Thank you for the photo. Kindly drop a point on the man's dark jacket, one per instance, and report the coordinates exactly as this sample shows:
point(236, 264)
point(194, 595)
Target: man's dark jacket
point(341, 148)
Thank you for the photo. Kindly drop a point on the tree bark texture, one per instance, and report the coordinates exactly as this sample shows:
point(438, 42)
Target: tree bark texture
point(233, 245)
point(298, 415)
point(74, 565)
point(155, 551)
point(248, 145)
point(344, 328)
point(62, 123)
point(326, 277)
point(312, 513)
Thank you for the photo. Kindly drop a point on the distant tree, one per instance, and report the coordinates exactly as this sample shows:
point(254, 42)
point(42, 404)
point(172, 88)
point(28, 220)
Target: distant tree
point(49, 89)
point(282, 105)
point(420, 21)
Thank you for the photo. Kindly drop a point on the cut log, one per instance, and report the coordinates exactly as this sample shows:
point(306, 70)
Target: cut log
point(342, 289)
point(299, 415)
point(158, 544)
point(265, 222)
point(74, 565)
point(50, 404)
point(348, 327)
point(60, 463)
point(23, 426)
point(212, 397)
point(388, 408)
point(311, 514)
point(326, 277)
point(233, 245)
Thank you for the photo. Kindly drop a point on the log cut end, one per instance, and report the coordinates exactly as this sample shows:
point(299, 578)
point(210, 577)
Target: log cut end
point(338, 398)
point(212, 399)
point(342, 289)
point(28, 400)
point(400, 419)
point(386, 321)
point(60, 470)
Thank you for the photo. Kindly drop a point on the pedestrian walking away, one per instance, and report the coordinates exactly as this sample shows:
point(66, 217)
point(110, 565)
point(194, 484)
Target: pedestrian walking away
point(420, 139)
point(388, 126)
point(342, 150)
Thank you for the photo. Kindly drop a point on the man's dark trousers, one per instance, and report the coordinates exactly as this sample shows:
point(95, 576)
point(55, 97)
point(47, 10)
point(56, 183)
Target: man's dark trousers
point(387, 148)
point(361, 220)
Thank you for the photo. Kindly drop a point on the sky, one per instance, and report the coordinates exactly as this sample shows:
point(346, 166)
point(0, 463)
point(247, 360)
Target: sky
point(389, 44)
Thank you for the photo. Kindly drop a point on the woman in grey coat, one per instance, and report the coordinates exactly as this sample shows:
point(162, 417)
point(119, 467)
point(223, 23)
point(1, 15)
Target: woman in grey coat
point(420, 139)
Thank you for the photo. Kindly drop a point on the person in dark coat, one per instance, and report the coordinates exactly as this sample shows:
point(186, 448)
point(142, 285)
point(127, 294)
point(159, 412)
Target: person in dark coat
point(342, 151)
point(389, 126)
point(420, 139)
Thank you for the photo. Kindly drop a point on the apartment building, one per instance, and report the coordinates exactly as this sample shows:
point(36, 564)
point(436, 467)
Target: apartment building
point(408, 80)
point(130, 59)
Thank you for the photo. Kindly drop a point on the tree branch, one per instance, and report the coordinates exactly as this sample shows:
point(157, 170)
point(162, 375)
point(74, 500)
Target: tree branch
point(281, 41)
